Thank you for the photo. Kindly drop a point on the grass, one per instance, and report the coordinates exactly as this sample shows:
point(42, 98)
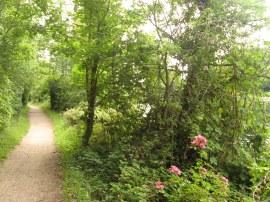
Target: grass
point(12, 135)
point(68, 142)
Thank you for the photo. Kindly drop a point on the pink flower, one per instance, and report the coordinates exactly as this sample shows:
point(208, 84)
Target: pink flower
point(174, 169)
point(224, 179)
point(159, 185)
point(203, 171)
point(199, 141)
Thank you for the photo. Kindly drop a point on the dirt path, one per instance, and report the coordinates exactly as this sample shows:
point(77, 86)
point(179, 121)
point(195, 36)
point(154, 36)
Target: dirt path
point(31, 172)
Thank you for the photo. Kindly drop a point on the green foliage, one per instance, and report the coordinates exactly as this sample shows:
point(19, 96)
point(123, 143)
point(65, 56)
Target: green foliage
point(74, 116)
point(11, 101)
point(17, 58)
point(102, 173)
point(12, 135)
point(62, 95)
point(5, 107)
point(261, 176)
point(207, 185)
point(148, 94)
point(58, 94)
point(136, 183)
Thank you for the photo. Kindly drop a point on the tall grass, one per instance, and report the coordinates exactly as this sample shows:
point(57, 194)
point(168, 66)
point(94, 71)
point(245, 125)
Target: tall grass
point(12, 135)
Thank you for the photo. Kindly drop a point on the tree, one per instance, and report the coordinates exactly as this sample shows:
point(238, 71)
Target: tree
point(95, 31)
point(17, 26)
point(195, 40)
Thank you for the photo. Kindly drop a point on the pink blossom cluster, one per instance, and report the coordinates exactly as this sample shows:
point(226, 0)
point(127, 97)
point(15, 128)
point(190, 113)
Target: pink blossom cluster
point(172, 170)
point(159, 185)
point(204, 170)
point(199, 141)
point(175, 170)
point(224, 179)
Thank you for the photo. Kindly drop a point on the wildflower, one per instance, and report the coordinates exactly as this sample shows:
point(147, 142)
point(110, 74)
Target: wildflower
point(174, 169)
point(159, 185)
point(203, 171)
point(199, 141)
point(224, 179)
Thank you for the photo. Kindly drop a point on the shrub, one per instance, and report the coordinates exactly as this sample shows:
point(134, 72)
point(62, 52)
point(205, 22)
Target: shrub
point(74, 116)
point(10, 102)
point(136, 183)
point(63, 95)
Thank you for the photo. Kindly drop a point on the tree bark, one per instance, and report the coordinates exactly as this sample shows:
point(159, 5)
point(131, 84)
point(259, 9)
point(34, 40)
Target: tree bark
point(91, 92)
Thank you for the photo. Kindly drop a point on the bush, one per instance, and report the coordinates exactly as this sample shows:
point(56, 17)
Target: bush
point(74, 116)
point(10, 102)
point(62, 94)
point(100, 167)
point(136, 183)
point(140, 183)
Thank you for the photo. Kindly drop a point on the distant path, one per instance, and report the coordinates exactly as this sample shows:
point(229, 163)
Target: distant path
point(31, 172)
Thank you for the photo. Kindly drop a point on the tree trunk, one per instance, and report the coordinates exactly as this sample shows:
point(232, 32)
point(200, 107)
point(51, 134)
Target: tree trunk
point(91, 92)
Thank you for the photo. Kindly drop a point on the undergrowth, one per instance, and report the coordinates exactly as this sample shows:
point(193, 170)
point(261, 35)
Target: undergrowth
point(12, 135)
point(102, 172)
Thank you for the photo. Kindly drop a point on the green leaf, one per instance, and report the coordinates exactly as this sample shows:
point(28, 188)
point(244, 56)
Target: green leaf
point(204, 155)
point(213, 160)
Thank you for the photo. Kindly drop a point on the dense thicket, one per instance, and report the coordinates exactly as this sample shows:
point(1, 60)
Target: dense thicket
point(141, 98)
